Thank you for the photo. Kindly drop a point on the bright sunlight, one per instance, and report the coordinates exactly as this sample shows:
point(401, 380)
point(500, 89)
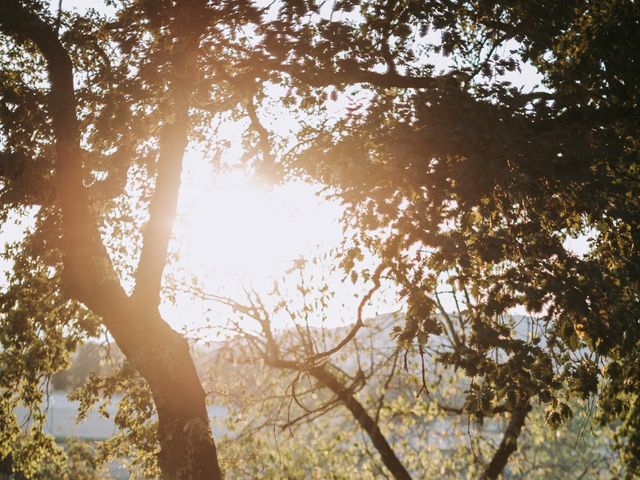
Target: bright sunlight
point(235, 231)
point(236, 225)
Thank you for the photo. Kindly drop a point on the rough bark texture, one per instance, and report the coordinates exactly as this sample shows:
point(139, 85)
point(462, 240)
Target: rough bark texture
point(509, 443)
point(162, 357)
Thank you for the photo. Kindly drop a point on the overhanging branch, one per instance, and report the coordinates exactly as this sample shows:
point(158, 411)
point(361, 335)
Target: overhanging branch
point(88, 273)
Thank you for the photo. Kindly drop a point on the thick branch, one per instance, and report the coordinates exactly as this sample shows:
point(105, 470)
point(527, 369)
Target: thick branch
point(368, 424)
point(354, 74)
point(88, 272)
point(350, 72)
point(162, 210)
point(263, 134)
point(359, 413)
point(173, 142)
point(509, 443)
point(344, 393)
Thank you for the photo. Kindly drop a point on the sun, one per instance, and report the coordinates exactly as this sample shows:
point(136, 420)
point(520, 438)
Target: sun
point(232, 229)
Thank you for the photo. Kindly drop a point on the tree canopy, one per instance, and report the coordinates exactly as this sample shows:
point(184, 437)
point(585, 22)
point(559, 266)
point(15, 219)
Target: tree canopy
point(459, 182)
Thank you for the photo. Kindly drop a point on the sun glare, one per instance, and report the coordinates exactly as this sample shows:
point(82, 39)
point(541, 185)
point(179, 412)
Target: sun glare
point(232, 230)
point(239, 226)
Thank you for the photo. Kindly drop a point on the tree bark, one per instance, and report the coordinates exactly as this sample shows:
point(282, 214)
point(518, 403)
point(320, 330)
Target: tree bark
point(161, 355)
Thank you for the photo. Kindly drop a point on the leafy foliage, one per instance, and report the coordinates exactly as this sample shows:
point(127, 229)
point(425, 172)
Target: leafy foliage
point(453, 177)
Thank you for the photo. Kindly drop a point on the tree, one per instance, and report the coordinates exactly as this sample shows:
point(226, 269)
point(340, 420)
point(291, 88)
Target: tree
point(431, 442)
point(450, 172)
point(397, 398)
point(159, 353)
point(299, 426)
point(286, 353)
point(463, 178)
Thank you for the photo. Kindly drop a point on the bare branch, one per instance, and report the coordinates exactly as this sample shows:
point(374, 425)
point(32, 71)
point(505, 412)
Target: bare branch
point(318, 358)
point(386, 384)
point(447, 319)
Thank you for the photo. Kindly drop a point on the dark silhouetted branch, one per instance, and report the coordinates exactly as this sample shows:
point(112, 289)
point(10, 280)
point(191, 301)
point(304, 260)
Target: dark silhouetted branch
point(88, 273)
point(509, 443)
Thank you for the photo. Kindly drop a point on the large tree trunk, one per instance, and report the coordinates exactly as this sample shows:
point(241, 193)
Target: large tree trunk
point(187, 447)
point(162, 357)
